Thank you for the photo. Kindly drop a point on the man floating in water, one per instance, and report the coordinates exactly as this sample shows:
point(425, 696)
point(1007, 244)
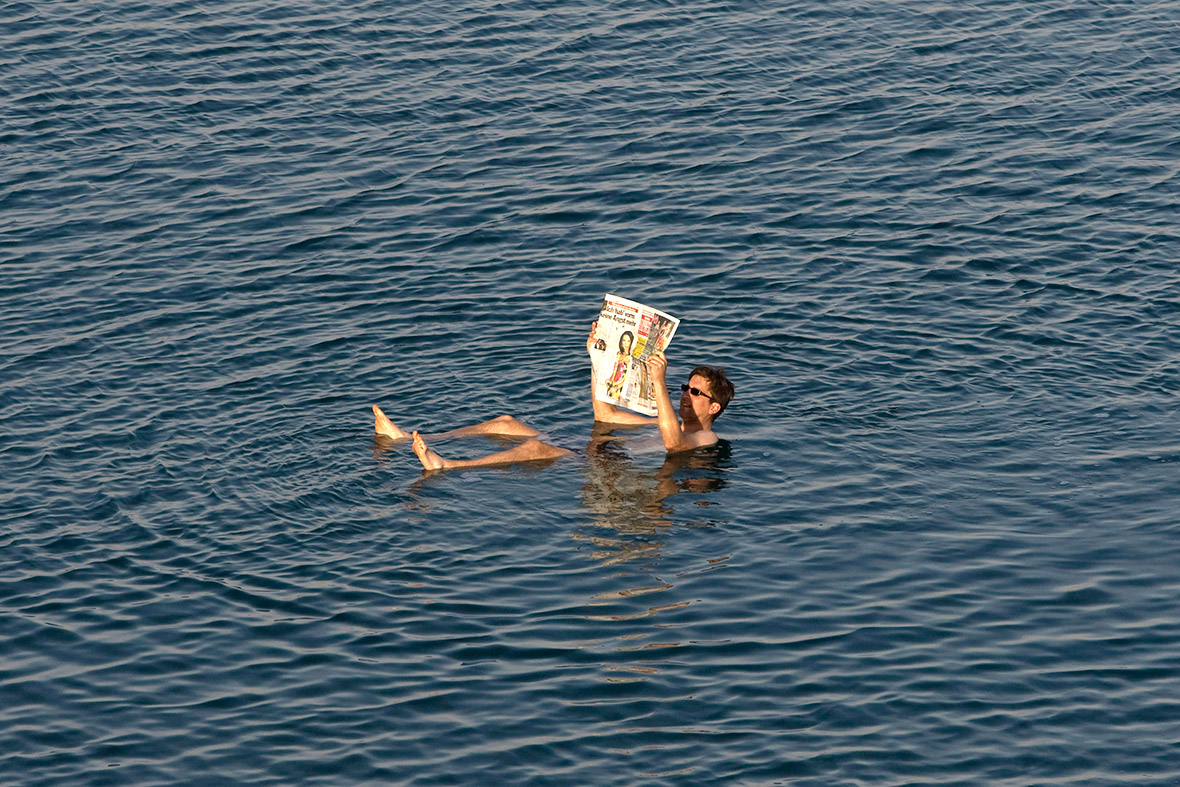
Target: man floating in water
point(704, 397)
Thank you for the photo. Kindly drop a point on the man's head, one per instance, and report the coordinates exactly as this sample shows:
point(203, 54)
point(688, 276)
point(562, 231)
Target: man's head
point(708, 392)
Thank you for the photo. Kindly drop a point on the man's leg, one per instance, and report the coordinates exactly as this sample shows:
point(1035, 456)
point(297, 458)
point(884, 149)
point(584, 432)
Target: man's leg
point(501, 425)
point(504, 425)
point(528, 451)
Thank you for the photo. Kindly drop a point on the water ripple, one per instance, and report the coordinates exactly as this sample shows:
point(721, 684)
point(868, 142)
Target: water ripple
point(934, 246)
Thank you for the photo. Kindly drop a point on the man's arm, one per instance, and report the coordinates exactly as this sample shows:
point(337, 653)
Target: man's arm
point(675, 438)
point(657, 370)
point(606, 412)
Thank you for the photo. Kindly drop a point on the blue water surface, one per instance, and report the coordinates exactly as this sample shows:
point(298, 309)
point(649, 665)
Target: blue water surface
point(934, 245)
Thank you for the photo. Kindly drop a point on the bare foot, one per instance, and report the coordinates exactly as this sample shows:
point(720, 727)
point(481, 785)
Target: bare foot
point(383, 426)
point(430, 460)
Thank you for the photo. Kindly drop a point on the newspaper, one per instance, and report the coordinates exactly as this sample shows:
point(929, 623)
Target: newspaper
point(626, 336)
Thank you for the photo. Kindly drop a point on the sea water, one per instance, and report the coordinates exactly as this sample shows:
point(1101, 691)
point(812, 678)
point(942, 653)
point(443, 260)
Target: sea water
point(934, 245)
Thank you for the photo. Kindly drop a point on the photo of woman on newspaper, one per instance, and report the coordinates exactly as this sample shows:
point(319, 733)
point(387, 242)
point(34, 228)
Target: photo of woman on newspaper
point(614, 383)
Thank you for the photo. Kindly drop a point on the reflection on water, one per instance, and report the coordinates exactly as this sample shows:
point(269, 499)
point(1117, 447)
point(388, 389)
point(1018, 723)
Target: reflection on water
point(625, 496)
point(647, 613)
point(629, 501)
point(627, 488)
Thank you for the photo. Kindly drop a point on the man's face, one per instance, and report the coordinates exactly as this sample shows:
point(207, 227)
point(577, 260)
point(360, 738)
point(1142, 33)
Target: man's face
point(692, 407)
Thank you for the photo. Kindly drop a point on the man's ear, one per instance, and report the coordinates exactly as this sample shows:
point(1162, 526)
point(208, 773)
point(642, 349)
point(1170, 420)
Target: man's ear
point(714, 408)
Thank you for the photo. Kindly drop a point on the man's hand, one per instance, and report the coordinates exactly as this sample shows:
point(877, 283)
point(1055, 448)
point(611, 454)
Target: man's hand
point(657, 368)
point(590, 339)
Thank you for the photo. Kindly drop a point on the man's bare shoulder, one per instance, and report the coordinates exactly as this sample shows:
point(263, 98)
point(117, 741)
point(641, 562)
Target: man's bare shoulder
point(692, 440)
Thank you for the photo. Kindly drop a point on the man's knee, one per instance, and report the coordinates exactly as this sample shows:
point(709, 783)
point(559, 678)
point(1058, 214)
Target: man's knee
point(542, 450)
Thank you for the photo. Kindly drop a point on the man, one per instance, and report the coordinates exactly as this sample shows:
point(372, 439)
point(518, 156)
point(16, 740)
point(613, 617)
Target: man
point(704, 397)
point(702, 400)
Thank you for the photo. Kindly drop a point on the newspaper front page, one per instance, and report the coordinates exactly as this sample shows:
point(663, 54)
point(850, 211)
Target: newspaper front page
point(626, 336)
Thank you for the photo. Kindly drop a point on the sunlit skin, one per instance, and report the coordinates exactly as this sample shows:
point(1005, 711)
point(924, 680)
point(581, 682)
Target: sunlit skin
point(385, 427)
point(531, 450)
point(504, 425)
point(683, 427)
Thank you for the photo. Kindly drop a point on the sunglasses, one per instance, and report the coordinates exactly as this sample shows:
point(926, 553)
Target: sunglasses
point(696, 392)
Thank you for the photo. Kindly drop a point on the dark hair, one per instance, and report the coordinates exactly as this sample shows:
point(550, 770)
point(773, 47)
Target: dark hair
point(627, 333)
point(719, 384)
